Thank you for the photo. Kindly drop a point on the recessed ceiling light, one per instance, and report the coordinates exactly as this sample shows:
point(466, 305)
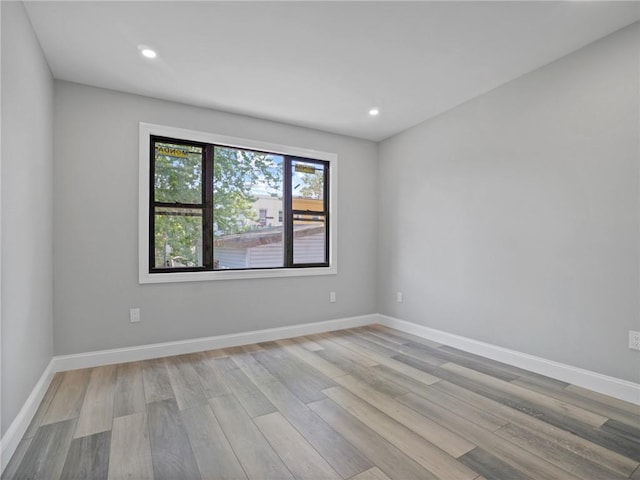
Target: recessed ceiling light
point(149, 53)
point(374, 111)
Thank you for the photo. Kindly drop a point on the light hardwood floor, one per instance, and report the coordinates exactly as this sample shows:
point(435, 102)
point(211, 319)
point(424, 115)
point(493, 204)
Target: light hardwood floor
point(368, 403)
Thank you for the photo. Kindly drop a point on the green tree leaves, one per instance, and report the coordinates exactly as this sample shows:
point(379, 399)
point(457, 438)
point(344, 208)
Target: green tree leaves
point(237, 175)
point(179, 179)
point(313, 185)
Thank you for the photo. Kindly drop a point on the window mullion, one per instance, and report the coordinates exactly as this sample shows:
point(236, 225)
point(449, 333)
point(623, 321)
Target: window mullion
point(207, 212)
point(327, 234)
point(288, 214)
point(152, 204)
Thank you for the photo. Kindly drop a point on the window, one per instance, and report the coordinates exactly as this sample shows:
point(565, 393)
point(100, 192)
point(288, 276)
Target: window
point(262, 217)
point(208, 205)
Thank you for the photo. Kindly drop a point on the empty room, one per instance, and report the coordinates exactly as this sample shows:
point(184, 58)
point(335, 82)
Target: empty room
point(320, 240)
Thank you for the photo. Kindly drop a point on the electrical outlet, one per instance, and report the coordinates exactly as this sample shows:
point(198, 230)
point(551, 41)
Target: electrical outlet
point(399, 297)
point(634, 340)
point(134, 315)
point(332, 297)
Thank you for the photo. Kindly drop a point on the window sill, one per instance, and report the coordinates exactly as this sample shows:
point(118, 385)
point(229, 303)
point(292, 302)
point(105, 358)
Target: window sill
point(179, 277)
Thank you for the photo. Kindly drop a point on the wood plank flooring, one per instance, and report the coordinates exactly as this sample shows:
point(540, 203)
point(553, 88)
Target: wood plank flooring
point(368, 403)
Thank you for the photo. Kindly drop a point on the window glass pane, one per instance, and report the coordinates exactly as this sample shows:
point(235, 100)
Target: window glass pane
point(178, 238)
point(178, 173)
point(247, 196)
point(309, 239)
point(307, 186)
point(263, 248)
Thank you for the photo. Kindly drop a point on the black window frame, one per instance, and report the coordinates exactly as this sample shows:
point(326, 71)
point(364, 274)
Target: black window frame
point(290, 212)
point(208, 194)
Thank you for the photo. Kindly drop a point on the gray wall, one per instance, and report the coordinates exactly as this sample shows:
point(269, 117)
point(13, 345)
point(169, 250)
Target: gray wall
point(26, 275)
point(513, 219)
point(95, 232)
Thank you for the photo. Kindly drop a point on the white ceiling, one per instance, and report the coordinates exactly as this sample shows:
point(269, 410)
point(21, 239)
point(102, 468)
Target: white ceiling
point(317, 64)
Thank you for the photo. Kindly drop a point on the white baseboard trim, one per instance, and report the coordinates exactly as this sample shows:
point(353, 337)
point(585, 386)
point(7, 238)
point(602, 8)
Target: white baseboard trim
point(166, 349)
point(614, 387)
point(18, 427)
